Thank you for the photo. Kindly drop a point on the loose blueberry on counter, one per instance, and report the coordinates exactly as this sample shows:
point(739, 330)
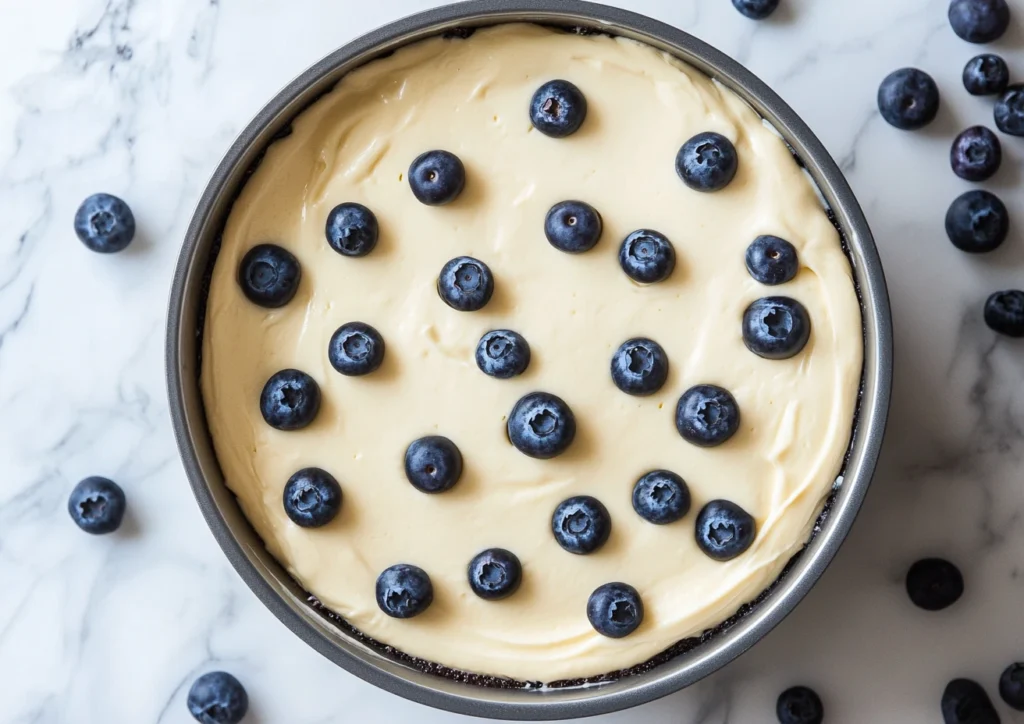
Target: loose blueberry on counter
point(615, 610)
point(465, 284)
point(437, 177)
point(541, 425)
point(269, 276)
point(976, 154)
point(433, 464)
point(558, 109)
point(979, 21)
point(724, 530)
point(639, 367)
point(105, 224)
point(312, 498)
point(218, 698)
point(707, 162)
point(1004, 313)
point(573, 226)
point(965, 702)
point(771, 260)
point(97, 505)
point(581, 524)
point(503, 353)
point(647, 256)
point(290, 400)
point(776, 327)
point(1009, 111)
point(799, 705)
point(661, 497)
point(352, 229)
point(934, 584)
point(908, 99)
point(404, 591)
point(756, 9)
point(977, 222)
point(986, 75)
point(495, 574)
point(1011, 686)
point(707, 415)
point(356, 349)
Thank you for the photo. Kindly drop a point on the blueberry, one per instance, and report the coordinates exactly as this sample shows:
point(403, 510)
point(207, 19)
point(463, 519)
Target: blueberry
point(707, 415)
point(707, 162)
point(290, 400)
point(615, 610)
point(934, 584)
point(465, 284)
point(1009, 111)
point(312, 498)
point(776, 327)
point(979, 21)
point(661, 497)
point(97, 505)
point(573, 226)
point(977, 222)
point(771, 260)
point(908, 99)
point(724, 530)
point(799, 705)
point(218, 698)
point(356, 349)
point(104, 223)
point(502, 353)
point(581, 524)
point(756, 9)
point(352, 229)
point(495, 574)
point(986, 75)
point(437, 177)
point(541, 425)
point(639, 367)
point(647, 256)
point(976, 154)
point(404, 591)
point(558, 109)
point(433, 464)
point(965, 702)
point(1011, 686)
point(1004, 313)
point(269, 276)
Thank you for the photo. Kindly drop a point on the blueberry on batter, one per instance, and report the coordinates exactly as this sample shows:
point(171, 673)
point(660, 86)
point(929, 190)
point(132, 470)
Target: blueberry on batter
point(404, 591)
point(647, 256)
point(437, 177)
point(615, 610)
point(495, 574)
point(352, 229)
point(465, 284)
point(639, 367)
point(541, 425)
point(724, 530)
point(290, 400)
point(581, 524)
point(707, 415)
point(269, 276)
point(356, 349)
point(312, 498)
point(776, 327)
point(433, 464)
point(707, 162)
point(771, 260)
point(558, 109)
point(503, 353)
point(661, 497)
point(573, 226)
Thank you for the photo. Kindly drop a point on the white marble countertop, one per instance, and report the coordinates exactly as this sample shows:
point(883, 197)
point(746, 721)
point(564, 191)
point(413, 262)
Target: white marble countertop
point(141, 98)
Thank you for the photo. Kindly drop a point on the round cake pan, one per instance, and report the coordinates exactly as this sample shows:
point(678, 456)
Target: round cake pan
point(269, 580)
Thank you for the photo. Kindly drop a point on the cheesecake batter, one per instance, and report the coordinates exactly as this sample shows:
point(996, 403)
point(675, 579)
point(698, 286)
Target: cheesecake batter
point(471, 97)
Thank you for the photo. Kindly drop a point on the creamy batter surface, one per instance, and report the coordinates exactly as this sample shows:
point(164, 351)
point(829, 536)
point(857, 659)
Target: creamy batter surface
point(471, 97)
